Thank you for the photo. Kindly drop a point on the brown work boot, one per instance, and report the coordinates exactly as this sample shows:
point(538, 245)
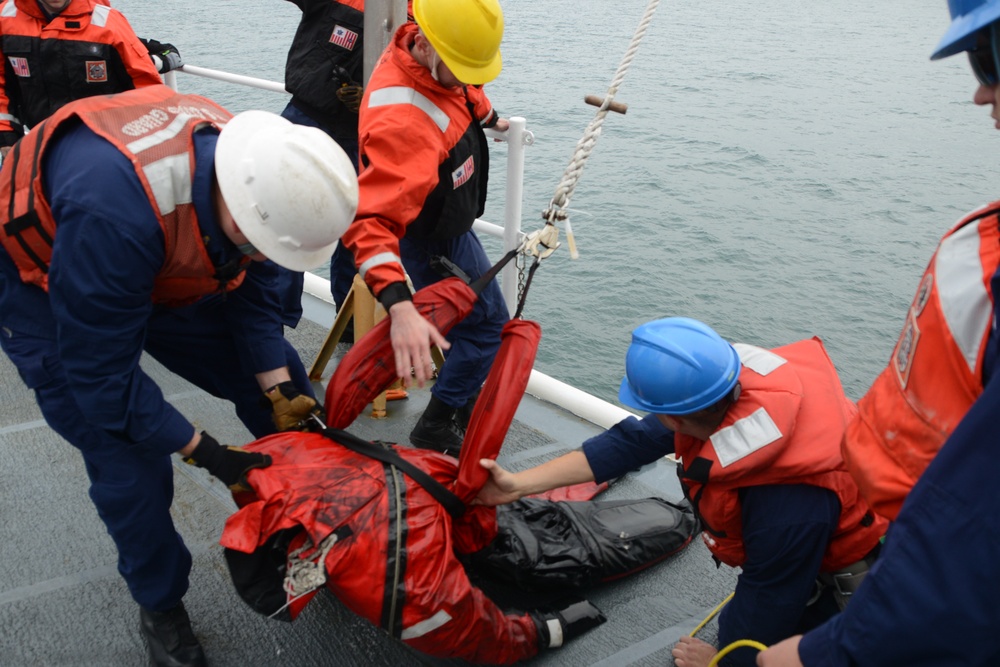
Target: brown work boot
point(169, 637)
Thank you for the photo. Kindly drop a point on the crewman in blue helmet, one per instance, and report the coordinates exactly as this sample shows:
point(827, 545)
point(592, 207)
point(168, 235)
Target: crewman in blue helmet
point(757, 433)
point(925, 444)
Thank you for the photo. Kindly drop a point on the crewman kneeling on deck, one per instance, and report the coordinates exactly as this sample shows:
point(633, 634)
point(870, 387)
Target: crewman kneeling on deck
point(757, 434)
point(129, 224)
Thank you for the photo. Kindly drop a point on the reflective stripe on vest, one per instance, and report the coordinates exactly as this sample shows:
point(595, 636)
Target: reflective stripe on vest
point(965, 302)
point(744, 436)
point(405, 95)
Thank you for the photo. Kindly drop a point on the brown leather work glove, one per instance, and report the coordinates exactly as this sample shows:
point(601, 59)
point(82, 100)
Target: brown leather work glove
point(291, 408)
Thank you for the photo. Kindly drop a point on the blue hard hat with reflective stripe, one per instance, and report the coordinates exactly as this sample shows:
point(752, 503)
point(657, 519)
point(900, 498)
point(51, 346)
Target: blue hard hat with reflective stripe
point(967, 18)
point(676, 366)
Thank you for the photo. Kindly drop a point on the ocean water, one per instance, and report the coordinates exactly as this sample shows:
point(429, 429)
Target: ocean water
point(784, 169)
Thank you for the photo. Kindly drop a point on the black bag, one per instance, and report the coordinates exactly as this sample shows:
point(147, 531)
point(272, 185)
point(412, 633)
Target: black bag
point(546, 545)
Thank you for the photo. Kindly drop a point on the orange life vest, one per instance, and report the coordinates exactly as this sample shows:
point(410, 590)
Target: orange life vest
point(785, 428)
point(154, 127)
point(935, 373)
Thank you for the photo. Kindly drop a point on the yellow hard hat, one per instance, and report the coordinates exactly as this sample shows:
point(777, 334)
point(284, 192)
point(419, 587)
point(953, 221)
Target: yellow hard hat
point(466, 34)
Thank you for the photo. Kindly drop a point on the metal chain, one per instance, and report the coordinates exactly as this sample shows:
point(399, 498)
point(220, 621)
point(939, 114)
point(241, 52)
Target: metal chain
point(585, 146)
point(519, 262)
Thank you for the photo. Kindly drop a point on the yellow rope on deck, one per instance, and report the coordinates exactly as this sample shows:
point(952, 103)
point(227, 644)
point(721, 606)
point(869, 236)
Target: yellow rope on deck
point(739, 643)
point(736, 644)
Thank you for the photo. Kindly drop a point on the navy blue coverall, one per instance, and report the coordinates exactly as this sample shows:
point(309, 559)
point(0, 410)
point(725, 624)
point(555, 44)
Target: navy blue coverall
point(78, 346)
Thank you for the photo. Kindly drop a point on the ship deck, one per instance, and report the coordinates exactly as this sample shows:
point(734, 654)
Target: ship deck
point(62, 601)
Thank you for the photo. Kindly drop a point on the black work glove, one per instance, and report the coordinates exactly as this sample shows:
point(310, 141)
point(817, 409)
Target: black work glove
point(291, 409)
point(556, 627)
point(228, 464)
point(349, 91)
point(165, 56)
point(350, 94)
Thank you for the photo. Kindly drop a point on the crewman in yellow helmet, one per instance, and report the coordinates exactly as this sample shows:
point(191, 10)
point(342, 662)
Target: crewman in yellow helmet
point(424, 168)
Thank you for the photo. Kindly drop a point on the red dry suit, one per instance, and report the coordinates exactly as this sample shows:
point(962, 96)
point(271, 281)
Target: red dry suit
point(87, 49)
point(785, 428)
point(128, 121)
point(370, 523)
point(386, 545)
point(935, 373)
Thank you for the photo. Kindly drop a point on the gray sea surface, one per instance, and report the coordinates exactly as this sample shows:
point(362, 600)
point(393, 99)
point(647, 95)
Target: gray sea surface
point(784, 169)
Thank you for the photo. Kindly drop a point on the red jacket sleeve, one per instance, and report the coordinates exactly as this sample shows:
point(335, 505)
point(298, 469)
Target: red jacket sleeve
point(401, 152)
point(482, 106)
point(134, 54)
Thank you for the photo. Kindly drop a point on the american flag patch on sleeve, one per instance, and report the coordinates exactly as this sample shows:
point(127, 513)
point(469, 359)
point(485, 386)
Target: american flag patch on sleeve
point(344, 37)
point(20, 66)
point(463, 173)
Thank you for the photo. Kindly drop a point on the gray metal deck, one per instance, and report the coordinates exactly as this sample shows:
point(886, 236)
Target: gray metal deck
point(62, 601)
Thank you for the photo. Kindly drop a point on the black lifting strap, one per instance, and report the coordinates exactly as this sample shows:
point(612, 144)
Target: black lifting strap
point(444, 266)
point(448, 500)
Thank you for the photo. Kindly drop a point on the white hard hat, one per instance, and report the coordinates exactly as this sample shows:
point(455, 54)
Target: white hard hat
point(290, 188)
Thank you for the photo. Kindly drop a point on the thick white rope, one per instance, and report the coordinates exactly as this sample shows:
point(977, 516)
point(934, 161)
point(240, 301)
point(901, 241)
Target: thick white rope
point(586, 144)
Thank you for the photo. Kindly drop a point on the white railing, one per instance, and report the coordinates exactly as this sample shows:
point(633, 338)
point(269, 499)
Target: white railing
point(518, 137)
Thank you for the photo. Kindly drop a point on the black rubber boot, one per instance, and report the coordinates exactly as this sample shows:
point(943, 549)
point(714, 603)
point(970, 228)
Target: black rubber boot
point(436, 429)
point(170, 639)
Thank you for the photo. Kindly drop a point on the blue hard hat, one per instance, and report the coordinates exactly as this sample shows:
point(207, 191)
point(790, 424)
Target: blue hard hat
point(676, 366)
point(967, 18)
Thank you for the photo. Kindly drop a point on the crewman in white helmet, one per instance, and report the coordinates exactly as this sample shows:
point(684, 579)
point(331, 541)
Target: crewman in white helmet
point(140, 222)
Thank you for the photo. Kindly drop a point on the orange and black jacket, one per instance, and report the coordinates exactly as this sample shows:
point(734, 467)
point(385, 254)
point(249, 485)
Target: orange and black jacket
point(424, 164)
point(87, 49)
point(327, 52)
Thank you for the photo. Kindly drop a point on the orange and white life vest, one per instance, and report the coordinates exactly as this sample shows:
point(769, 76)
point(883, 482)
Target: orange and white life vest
point(785, 428)
point(152, 126)
point(935, 373)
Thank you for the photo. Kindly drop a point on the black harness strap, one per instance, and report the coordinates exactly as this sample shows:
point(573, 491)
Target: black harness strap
point(697, 471)
point(448, 500)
